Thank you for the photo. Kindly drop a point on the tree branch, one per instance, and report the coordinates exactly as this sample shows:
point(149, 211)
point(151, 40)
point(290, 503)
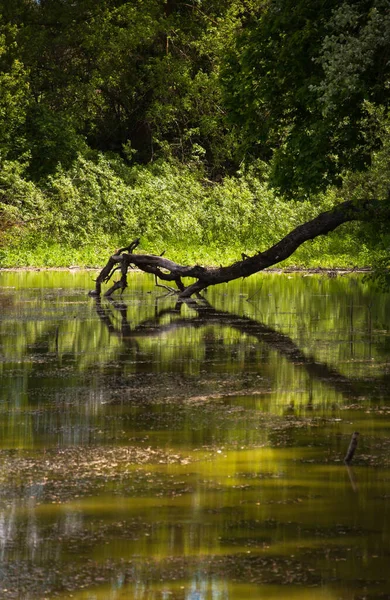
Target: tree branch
point(167, 270)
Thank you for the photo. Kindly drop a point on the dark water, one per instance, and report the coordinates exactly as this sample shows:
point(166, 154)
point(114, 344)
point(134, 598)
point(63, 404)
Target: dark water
point(151, 451)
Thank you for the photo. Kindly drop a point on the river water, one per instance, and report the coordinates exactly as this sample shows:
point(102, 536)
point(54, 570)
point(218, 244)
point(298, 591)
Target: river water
point(156, 451)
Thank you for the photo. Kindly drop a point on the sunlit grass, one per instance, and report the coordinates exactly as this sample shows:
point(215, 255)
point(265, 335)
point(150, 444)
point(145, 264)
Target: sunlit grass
point(43, 254)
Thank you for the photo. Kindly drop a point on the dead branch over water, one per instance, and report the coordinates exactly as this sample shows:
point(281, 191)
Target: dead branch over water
point(169, 271)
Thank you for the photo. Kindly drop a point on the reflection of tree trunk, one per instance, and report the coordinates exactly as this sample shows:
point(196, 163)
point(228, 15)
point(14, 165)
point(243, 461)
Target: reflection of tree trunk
point(352, 478)
point(106, 318)
point(208, 315)
point(167, 270)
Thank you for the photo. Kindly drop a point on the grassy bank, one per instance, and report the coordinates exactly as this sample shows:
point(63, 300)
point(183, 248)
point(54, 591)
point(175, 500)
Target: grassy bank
point(78, 217)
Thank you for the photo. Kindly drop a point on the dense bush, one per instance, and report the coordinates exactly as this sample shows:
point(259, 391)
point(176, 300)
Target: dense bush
point(77, 216)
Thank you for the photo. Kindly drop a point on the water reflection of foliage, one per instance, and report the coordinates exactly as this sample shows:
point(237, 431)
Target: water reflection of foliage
point(234, 341)
point(219, 382)
point(149, 351)
point(340, 321)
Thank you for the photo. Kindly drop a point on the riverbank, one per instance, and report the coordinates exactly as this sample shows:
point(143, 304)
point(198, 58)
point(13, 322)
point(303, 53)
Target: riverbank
point(310, 271)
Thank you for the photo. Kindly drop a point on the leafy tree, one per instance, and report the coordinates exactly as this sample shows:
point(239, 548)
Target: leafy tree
point(300, 83)
point(139, 78)
point(14, 96)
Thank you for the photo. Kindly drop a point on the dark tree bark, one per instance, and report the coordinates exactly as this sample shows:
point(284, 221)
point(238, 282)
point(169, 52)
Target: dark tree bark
point(352, 447)
point(169, 271)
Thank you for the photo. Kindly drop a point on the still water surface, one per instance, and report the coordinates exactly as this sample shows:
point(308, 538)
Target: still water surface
point(151, 451)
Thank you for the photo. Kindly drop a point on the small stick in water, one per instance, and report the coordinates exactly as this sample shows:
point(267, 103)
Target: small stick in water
point(352, 447)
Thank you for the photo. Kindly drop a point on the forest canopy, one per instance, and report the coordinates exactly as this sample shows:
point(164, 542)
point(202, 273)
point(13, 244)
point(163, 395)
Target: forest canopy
point(192, 124)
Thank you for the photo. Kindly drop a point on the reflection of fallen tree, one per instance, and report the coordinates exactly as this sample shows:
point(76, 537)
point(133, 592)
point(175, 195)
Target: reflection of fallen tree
point(208, 315)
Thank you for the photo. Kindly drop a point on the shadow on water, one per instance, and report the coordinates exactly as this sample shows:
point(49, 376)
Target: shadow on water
point(194, 451)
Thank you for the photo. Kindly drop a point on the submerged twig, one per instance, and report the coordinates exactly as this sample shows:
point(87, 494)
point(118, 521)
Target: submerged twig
point(171, 290)
point(255, 294)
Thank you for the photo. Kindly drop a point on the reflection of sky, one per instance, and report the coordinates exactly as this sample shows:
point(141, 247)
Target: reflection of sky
point(10, 530)
point(27, 534)
point(202, 589)
point(7, 529)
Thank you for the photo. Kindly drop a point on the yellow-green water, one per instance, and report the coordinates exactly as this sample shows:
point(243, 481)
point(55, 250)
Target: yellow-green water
point(153, 451)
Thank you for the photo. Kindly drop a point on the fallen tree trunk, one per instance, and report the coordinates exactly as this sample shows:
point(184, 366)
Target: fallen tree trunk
point(169, 271)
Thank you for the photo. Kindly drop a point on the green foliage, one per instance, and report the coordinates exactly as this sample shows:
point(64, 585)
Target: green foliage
point(114, 124)
point(79, 215)
point(52, 136)
point(20, 200)
point(374, 184)
point(352, 56)
point(139, 75)
point(14, 97)
point(298, 83)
